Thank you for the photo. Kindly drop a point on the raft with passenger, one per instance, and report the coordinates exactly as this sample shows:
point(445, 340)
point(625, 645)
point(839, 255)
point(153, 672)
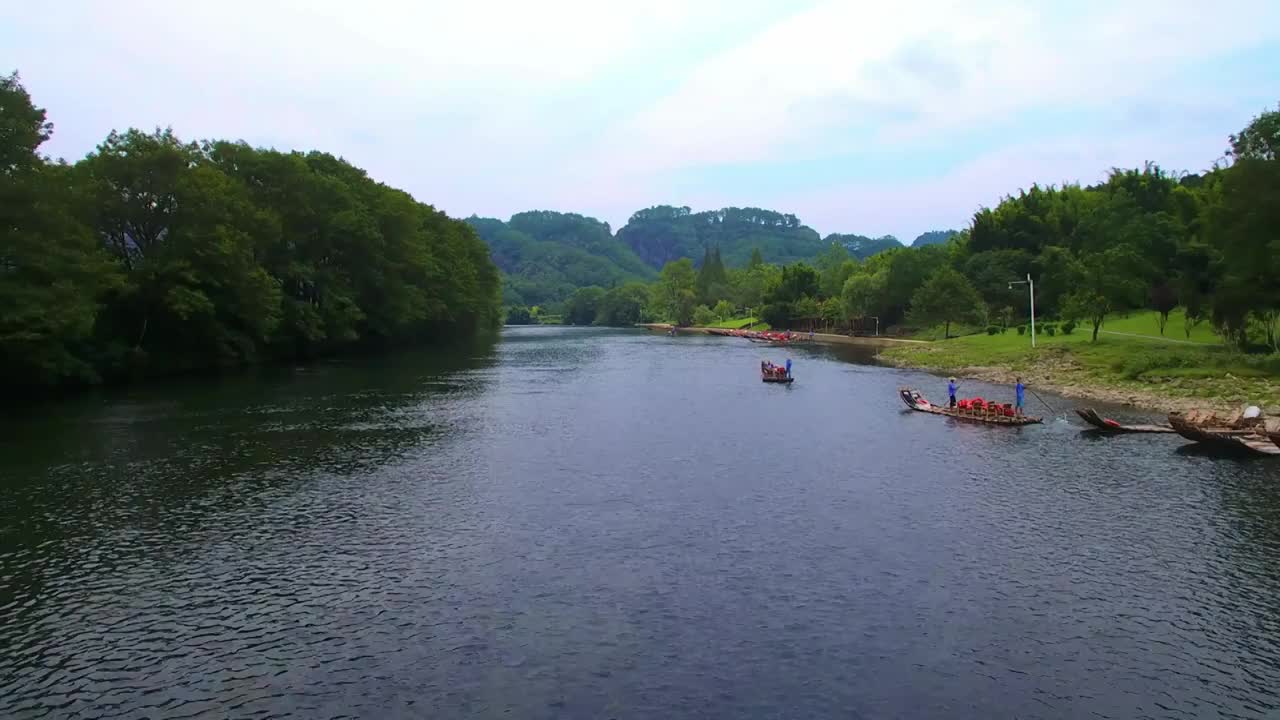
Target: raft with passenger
point(977, 410)
point(771, 373)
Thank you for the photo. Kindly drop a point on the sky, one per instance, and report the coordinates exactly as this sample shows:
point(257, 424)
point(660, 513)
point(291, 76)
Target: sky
point(858, 117)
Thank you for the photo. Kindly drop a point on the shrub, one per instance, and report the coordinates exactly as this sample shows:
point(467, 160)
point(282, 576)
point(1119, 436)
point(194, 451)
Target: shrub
point(1050, 329)
point(993, 329)
point(703, 316)
point(1022, 329)
point(1068, 327)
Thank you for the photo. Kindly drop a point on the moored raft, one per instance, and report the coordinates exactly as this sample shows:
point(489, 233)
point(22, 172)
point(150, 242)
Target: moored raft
point(1234, 433)
point(917, 402)
point(1092, 417)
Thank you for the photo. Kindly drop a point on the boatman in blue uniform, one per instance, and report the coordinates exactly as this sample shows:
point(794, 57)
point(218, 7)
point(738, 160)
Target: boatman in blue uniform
point(951, 391)
point(788, 367)
point(1020, 389)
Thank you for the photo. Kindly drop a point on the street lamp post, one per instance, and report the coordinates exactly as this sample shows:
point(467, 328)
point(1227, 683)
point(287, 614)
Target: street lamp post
point(1031, 290)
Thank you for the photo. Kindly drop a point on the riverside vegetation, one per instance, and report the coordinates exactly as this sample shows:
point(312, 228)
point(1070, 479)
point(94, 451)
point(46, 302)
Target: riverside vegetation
point(1199, 252)
point(155, 256)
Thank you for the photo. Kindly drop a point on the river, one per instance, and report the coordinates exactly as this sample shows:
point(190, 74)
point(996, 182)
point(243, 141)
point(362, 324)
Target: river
point(577, 523)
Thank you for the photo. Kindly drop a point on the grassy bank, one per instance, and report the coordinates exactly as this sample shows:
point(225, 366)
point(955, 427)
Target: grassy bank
point(1130, 363)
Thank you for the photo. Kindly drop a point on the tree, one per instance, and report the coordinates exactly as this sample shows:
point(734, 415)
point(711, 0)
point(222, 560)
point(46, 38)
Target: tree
point(53, 275)
point(945, 298)
point(831, 311)
point(1164, 298)
point(1104, 283)
point(583, 305)
point(519, 315)
point(711, 281)
point(623, 306)
point(834, 266)
point(863, 293)
point(1241, 217)
point(1260, 139)
point(703, 316)
point(797, 281)
point(756, 258)
point(723, 310)
point(676, 292)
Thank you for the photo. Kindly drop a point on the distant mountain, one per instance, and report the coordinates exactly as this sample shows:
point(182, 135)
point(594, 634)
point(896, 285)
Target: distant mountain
point(933, 237)
point(863, 247)
point(665, 233)
point(545, 256)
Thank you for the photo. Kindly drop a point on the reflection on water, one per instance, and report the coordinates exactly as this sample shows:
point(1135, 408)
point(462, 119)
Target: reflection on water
point(589, 523)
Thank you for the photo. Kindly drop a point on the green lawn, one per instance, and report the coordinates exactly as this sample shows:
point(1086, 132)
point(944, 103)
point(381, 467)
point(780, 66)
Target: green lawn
point(735, 324)
point(1141, 323)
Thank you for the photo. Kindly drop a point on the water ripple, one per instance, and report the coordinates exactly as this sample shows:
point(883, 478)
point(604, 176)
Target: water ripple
point(590, 524)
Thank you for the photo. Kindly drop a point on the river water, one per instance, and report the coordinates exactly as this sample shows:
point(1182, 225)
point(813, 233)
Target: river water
point(578, 523)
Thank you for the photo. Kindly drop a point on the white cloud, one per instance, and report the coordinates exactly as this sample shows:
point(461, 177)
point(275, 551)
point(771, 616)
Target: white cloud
point(928, 66)
point(950, 199)
point(497, 106)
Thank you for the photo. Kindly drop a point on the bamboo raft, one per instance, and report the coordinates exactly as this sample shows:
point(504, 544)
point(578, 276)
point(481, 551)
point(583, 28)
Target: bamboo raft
point(917, 402)
point(1092, 417)
point(1255, 435)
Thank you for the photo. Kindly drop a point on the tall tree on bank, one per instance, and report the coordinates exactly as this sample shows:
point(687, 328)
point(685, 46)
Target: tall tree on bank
point(947, 297)
point(52, 272)
point(712, 280)
point(1103, 283)
point(675, 295)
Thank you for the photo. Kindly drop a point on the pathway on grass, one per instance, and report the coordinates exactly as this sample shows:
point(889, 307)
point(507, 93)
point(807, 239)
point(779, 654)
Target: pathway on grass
point(1156, 337)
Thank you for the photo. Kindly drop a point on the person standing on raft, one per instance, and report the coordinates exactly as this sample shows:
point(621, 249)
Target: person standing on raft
point(1020, 390)
point(951, 391)
point(788, 367)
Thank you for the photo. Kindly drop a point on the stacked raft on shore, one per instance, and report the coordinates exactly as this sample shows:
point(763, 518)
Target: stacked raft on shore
point(1257, 435)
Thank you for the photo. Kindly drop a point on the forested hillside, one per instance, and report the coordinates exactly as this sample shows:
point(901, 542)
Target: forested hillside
point(664, 233)
point(933, 237)
point(863, 247)
point(545, 256)
point(156, 256)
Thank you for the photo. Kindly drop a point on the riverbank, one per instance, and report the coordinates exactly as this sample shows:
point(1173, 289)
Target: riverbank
point(1116, 369)
point(825, 338)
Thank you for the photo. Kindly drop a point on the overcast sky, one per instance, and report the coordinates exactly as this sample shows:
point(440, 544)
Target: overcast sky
point(863, 117)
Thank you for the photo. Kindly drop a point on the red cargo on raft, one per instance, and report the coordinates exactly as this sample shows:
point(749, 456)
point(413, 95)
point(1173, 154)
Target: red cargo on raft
point(971, 410)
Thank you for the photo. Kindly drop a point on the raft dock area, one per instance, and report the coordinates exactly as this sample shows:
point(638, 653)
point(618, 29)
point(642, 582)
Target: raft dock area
point(802, 337)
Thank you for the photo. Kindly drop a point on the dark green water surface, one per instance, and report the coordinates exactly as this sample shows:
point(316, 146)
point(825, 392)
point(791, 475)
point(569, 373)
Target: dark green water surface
point(594, 524)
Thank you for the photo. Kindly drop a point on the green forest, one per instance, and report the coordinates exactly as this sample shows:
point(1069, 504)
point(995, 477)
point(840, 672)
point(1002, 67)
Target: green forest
point(153, 256)
point(1144, 238)
point(546, 256)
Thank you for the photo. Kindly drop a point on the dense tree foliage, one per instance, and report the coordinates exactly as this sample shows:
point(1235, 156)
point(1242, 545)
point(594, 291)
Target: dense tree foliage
point(546, 256)
point(155, 256)
point(664, 233)
point(1141, 238)
point(933, 237)
point(947, 297)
